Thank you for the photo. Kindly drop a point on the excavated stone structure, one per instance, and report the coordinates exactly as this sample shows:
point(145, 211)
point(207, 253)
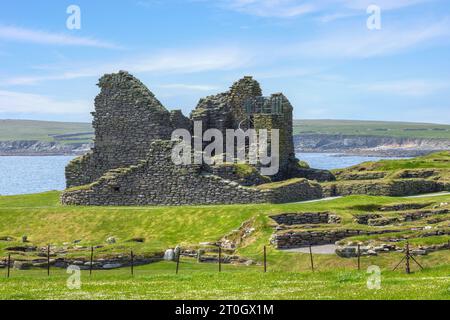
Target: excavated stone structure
point(130, 163)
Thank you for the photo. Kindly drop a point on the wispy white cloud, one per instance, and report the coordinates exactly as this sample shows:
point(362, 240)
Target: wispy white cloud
point(365, 44)
point(409, 87)
point(12, 33)
point(20, 102)
point(332, 9)
point(383, 4)
point(272, 8)
point(167, 62)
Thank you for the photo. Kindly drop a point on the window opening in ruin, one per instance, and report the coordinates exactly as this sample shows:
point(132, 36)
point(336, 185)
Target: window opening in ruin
point(265, 105)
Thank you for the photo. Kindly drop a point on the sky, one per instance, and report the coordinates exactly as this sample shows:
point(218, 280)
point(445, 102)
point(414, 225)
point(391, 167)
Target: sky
point(321, 54)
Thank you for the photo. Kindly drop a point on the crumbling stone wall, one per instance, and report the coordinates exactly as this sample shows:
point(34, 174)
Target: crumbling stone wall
point(305, 218)
point(228, 111)
point(127, 119)
point(299, 239)
point(157, 181)
point(393, 188)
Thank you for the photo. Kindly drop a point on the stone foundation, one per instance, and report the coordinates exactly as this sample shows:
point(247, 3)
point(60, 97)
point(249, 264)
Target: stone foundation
point(157, 181)
point(299, 239)
point(306, 218)
point(393, 188)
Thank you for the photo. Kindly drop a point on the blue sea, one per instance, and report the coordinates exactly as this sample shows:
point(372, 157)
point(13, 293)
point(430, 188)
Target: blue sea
point(24, 175)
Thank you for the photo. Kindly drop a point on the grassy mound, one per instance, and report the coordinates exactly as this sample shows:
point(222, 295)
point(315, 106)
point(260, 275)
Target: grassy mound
point(419, 175)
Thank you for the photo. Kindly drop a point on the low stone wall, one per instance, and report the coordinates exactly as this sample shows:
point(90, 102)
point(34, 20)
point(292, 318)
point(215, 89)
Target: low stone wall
point(393, 188)
point(351, 251)
point(412, 216)
point(364, 218)
point(416, 174)
point(299, 190)
point(371, 175)
point(306, 218)
point(374, 219)
point(299, 239)
point(384, 221)
point(83, 264)
point(404, 206)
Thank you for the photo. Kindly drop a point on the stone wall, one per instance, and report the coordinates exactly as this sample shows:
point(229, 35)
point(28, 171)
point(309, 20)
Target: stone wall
point(157, 181)
point(299, 239)
point(243, 174)
point(383, 188)
point(127, 119)
point(305, 218)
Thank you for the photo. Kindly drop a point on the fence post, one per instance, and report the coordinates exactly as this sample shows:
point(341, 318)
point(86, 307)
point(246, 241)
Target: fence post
point(132, 263)
point(311, 256)
point(48, 260)
point(178, 261)
point(9, 264)
point(220, 258)
point(359, 257)
point(91, 265)
point(408, 257)
point(265, 259)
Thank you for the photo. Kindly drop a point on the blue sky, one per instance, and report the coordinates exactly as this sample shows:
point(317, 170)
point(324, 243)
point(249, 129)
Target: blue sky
point(319, 53)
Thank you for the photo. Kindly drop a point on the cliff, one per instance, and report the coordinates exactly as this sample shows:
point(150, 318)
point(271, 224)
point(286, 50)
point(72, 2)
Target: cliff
point(376, 145)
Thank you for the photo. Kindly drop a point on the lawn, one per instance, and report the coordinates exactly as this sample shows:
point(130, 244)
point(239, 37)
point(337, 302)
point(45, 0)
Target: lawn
point(372, 128)
point(44, 221)
point(203, 282)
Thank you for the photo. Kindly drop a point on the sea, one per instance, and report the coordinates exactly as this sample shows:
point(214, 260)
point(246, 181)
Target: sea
point(25, 175)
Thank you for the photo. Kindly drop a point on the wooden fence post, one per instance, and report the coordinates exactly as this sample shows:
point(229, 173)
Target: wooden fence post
point(132, 263)
point(48, 260)
point(408, 257)
point(220, 258)
point(265, 259)
point(359, 257)
point(9, 264)
point(178, 261)
point(311, 257)
point(91, 265)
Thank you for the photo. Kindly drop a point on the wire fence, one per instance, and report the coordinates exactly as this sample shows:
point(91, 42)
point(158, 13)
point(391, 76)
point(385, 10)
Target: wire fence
point(130, 261)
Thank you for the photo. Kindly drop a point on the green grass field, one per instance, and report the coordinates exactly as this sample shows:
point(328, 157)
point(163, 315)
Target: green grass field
point(373, 128)
point(11, 130)
point(44, 221)
point(16, 130)
point(203, 282)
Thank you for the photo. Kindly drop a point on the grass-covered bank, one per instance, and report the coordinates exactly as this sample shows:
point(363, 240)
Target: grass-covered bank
point(44, 221)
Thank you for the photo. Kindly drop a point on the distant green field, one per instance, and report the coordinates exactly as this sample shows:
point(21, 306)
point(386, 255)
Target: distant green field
point(373, 128)
point(65, 132)
point(72, 132)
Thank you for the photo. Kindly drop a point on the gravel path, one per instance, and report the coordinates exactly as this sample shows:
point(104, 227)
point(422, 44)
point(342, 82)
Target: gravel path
point(430, 195)
point(325, 249)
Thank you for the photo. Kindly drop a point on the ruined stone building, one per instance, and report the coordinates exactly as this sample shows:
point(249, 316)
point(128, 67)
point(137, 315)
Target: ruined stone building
point(130, 163)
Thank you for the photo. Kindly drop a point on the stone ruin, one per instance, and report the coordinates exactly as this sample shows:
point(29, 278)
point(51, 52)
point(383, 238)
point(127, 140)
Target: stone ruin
point(130, 163)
